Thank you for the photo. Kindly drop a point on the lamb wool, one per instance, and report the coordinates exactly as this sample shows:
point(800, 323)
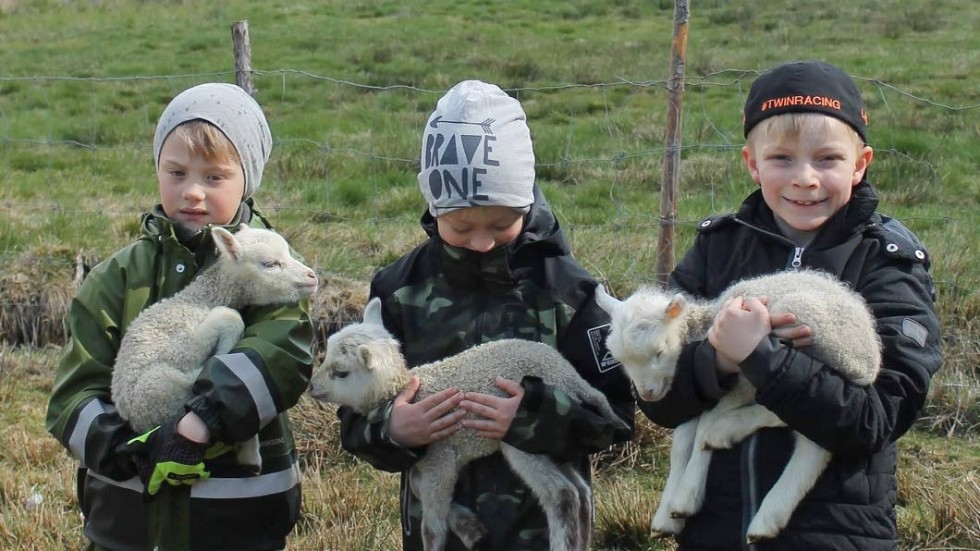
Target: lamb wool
point(234, 112)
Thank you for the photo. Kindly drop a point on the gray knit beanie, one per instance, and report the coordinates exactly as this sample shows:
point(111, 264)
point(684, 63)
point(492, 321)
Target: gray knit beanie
point(476, 151)
point(232, 111)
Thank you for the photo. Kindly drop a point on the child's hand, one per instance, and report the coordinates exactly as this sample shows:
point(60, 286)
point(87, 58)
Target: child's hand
point(432, 418)
point(785, 327)
point(496, 413)
point(737, 330)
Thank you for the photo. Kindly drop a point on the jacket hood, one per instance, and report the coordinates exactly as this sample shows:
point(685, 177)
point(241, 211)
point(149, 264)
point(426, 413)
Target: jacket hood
point(156, 223)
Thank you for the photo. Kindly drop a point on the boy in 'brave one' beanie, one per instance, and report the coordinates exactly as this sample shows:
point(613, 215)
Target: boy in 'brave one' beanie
point(806, 148)
point(476, 150)
point(495, 266)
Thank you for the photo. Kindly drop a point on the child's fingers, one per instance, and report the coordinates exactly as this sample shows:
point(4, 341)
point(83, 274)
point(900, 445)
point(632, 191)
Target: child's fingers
point(753, 304)
point(439, 408)
point(479, 408)
point(407, 393)
point(784, 319)
point(513, 388)
point(446, 394)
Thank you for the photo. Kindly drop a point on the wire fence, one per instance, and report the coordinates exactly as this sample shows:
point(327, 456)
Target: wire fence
point(77, 148)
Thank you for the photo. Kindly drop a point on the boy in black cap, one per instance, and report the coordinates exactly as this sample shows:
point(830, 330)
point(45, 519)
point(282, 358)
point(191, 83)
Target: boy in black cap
point(806, 147)
point(495, 266)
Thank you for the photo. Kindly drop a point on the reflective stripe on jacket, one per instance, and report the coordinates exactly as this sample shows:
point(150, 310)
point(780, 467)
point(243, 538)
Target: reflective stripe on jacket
point(239, 394)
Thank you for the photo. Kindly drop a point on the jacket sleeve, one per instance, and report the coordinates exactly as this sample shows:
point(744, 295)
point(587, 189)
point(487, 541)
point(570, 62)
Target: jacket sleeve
point(80, 412)
point(366, 436)
point(549, 421)
point(853, 418)
point(697, 384)
point(240, 392)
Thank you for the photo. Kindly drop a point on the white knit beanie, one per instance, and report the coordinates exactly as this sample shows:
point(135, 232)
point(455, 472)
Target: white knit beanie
point(232, 111)
point(476, 151)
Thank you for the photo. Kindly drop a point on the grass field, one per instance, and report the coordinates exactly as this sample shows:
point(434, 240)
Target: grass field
point(347, 86)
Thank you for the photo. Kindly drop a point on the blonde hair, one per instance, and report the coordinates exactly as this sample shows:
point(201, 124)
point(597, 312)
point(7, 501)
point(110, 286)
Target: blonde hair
point(791, 126)
point(205, 139)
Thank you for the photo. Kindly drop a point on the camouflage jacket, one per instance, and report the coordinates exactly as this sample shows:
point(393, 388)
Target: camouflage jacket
point(239, 394)
point(439, 301)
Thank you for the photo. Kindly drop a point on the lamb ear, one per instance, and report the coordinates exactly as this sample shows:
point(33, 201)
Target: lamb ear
point(676, 306)
point(372, 312)
point(606, 301)
point(364, 351)
point(225, 241)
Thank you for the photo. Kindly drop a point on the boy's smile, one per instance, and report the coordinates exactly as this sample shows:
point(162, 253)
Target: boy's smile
point(806, 179)
point(196, 191)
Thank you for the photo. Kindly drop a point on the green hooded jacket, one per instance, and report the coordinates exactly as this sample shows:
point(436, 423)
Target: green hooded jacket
point(239, 394)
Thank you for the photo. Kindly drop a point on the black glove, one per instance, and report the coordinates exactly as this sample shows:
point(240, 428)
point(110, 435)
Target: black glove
point(163, 455)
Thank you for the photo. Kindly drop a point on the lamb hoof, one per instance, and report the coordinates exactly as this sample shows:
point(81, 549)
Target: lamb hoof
point(466, 526)
point(760, 530)
point(671, 527)
point(471, 534)
point(757, 535)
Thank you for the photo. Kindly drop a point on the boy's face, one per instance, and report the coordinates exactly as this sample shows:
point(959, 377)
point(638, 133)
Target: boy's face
point(805, 179)
point(480, 229)
point(196, 191)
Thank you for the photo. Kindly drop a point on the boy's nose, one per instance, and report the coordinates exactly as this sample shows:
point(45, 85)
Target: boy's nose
point(194, 191)
point(482, 243)
point(806, 176)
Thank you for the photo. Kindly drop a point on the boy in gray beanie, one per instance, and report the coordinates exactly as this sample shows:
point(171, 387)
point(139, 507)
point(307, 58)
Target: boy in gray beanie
point(210, 147)
point(495, 265)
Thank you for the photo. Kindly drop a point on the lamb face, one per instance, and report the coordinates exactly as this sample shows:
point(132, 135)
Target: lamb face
point(264, 267)
point(361, 367)
point(646, 336)
point(343, 378)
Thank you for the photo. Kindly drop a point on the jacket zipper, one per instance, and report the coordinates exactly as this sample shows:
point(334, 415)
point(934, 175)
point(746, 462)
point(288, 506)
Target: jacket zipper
point(797, 259)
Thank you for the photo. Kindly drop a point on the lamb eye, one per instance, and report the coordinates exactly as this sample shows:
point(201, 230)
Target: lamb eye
point(339, 374)
point(272, 264)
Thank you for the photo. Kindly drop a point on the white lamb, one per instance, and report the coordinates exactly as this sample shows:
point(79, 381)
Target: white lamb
point(364, 368)
point(647, 333)
point(165, 347)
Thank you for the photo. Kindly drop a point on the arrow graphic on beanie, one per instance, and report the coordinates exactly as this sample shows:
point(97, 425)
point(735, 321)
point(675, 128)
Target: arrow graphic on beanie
point(485, 125)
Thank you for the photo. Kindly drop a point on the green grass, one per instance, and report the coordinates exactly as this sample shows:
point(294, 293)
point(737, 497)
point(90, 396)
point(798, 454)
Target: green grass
point(347, 86)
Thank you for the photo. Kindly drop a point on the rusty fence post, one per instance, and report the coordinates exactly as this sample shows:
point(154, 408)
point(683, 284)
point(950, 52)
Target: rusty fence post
point(672, 145)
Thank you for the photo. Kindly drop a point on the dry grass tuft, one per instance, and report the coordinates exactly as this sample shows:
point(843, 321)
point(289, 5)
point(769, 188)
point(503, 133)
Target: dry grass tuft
point(35, 292)
point(337, 302)
point(938, 494)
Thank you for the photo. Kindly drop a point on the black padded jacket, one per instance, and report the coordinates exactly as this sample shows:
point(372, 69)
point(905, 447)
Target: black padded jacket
point(852, 505)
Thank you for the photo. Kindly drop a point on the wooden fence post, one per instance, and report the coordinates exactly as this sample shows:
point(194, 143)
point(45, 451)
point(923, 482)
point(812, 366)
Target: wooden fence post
point(672, 145)
point(243, 56)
